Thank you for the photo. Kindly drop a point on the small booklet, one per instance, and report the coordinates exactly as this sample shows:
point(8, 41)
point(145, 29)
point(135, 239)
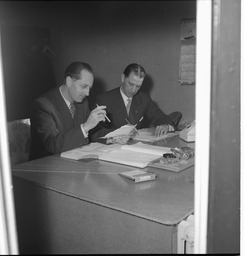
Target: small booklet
point(139, 175)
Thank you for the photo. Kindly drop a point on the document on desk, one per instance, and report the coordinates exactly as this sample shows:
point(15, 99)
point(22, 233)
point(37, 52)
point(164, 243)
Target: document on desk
point(92, 150)
point(138, 154)
point(147, 136)
point(140, 147)
point(127, 157)
point(111, 153)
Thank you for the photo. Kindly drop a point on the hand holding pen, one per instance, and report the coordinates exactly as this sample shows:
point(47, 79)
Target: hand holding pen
point(105, 115)
point(134, 130)
point(98, 114)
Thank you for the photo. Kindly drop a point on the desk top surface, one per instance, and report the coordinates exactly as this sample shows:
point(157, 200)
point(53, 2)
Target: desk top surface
point(167, 200)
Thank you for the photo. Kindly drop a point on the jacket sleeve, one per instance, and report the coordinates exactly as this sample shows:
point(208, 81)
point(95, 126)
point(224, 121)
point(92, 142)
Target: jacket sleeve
point(156, 115)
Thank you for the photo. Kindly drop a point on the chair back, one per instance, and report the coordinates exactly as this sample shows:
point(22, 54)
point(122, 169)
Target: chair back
point(19, 140)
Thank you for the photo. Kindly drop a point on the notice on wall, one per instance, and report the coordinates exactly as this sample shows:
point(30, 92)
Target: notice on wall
point(187, 70)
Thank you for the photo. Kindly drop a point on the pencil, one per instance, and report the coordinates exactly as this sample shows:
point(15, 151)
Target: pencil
point(105, 115)
point(139, 120)
point(127, 121)
point(131, 124)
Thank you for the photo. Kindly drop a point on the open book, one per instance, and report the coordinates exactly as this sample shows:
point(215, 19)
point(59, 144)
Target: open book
point(138, 155)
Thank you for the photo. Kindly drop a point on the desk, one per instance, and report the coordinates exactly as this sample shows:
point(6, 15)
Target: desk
point(67, 206)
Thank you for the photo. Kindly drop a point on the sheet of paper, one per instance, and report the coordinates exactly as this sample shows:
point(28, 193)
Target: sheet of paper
point(123, 130)
point(75, 155)
point(128, 157)
point(91, 150)
point(149, 137)
point(145, 148)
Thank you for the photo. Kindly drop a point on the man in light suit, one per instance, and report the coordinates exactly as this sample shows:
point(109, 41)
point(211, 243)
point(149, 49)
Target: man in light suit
point(139, 109)
point(54, 126)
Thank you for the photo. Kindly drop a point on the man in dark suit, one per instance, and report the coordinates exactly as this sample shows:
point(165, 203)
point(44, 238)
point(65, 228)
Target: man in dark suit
point(127, 104)
point(61, 118)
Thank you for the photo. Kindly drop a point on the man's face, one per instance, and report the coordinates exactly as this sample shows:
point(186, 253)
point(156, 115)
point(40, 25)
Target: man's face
point(79, 89)
point(131, 84)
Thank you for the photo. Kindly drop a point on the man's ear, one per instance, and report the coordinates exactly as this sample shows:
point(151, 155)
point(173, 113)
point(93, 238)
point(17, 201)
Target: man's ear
point(122, 78)
point(68, 81)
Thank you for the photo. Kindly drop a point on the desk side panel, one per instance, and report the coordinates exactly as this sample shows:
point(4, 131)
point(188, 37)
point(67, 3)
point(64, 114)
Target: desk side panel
point(50, 222)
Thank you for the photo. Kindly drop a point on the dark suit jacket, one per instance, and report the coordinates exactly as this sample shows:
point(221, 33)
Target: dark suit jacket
point(141, 105)
point(52, 128)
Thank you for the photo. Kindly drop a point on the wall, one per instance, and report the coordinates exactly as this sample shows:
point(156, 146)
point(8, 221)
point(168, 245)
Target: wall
point(25, 28)
point(110, 35)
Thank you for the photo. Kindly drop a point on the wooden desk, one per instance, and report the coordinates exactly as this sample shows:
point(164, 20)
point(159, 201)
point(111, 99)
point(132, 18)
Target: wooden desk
point(66, 206)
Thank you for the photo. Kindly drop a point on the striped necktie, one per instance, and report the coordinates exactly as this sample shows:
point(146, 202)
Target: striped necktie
point(72, 109)
point(128, 105)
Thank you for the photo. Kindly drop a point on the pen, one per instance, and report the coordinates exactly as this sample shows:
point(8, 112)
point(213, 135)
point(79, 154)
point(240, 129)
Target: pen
point(139, 120)
point(131, 124)
point(127, 121)
point(105, 115)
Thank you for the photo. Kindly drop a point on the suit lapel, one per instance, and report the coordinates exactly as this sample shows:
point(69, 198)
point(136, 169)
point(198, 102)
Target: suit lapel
point(81, 111)
point(62, 110)
point(136, 110)
point(119, 104)
point(133, 115)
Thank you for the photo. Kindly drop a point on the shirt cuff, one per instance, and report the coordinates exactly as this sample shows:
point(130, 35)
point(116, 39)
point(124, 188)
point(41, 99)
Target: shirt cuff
point(83, 131)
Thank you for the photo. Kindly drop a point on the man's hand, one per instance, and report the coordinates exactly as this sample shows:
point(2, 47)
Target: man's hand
point(133, 132)
point(123, 139)
point(163, 129)
point(96, 115)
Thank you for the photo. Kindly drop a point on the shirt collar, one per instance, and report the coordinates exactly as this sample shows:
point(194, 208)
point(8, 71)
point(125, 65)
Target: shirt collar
point(125, 98)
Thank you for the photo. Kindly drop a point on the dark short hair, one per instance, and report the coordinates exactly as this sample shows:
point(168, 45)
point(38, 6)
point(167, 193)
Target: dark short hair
point(136, 68)
point(74, 69)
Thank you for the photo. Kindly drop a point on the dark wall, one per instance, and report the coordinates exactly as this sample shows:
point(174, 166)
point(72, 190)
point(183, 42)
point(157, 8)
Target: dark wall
point(28, 36)
point(28, 67)
point(108, 35)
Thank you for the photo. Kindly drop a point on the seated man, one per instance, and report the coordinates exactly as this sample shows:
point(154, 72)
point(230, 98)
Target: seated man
point(61, 118)
point(127, 104)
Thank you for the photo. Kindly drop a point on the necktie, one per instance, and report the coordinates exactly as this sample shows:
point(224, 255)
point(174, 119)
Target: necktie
point(72, 109)
point(128, 105)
